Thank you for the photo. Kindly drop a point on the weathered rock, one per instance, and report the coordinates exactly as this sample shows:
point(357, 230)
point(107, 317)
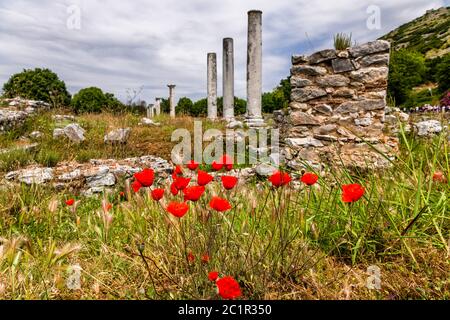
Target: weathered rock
point(364, 122)
point(308, 70)
point(364, 105)
point(300, 118)
point(36, 135)
point(31, 176)
point(297, 59)
point(149, 122)
point(371, 76)
point(334, 80)
point(117, 136)
point(303, 142)
point(378, 59)
point(323, 55)
point(235, 125)
point(265, 170)
point(428, 128)
point(298, 82)
point(307, 93)
point(369, 48)
point(299, 106)
point(342, 65)
point(344, 93)
point(326, 129)
point(324, 109)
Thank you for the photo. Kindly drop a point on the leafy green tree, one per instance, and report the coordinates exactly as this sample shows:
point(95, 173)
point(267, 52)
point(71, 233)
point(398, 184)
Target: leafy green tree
point(93, 99)
point(240, 106)
point(278, 98)
point(443, 73)
point(165, 106)
point(38, 84)
point(407, 69)
point(200, 108)
point(184, 106)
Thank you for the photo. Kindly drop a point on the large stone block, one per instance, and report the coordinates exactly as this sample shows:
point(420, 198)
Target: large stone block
point(307, 93)
point(369, 48)
point(323, 55)
point(342, 65)
point(299, 82)
point(375, 59)
point(371, 76)
point(334, 80)
point(300, 118)
point(308, 70)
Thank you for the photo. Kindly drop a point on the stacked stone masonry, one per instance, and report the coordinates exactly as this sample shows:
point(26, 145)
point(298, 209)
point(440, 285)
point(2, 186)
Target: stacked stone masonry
point(337, 108)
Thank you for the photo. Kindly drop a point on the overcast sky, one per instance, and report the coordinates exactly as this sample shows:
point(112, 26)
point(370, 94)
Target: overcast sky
point(116, 45)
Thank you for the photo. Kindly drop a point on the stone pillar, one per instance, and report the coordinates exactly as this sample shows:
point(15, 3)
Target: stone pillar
point(158, 106)
point(228, 79)
point(172, 99)
point(150, 110)
point(254, 69)
point(212, 86)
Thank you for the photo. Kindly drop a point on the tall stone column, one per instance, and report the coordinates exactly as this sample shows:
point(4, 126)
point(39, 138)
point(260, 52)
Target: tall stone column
point(254, 69)
point(150, 109)
point(172, 99)
point(228, 79)
point(212, 86)
point(157, 106)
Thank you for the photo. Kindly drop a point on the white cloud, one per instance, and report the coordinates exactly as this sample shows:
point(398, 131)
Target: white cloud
point(129, 44)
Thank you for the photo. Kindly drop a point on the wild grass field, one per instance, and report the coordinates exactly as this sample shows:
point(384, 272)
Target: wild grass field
point(289, 242)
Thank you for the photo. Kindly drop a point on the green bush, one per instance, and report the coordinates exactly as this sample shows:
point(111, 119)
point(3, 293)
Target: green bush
point(94, 100)
point(184, 106)
point(406, 70)
point(37, 84)
point(443, 72)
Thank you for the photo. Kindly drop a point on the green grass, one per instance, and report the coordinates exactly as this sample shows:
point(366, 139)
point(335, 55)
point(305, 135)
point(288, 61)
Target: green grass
point(281, 243)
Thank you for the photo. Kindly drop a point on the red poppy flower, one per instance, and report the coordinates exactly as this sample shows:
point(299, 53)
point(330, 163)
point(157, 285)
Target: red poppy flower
point(136, 186)
point(145, 177)
point(279, 179)
point(70, 202)
point(227, 162)
point(177, 171)
point(157, 194)
point(181, 182)
point(219, 204)
point(203, 178)
point(178, 209)
point(205, 258)
point(352, 192)
point(224, 162)
point(309, 178)
point(193, 193)
point(190, 257)
point(213, 275)
point(192, 165)
point(121, 194)
point(106, 206)
point(216, 166)
point(228, 288)
point(438, 176)
point(173, 189)
point(229, 182)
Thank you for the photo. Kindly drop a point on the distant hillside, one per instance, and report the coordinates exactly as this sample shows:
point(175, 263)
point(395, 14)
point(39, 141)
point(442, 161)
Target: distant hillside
point(428, 34)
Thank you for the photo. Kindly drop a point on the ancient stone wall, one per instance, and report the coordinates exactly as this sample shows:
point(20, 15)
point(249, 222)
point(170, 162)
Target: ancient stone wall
point(337, 109)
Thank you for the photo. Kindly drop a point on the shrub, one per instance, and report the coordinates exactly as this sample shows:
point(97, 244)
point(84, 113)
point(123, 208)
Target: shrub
point(442, 73)
point(342, 41)
point(94, 100)
point(445, 101)
point(38, 84)
point(406, 70)
point(184, 106)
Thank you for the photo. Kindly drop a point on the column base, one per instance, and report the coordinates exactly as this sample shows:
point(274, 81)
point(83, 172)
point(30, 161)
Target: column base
point(255, 122)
